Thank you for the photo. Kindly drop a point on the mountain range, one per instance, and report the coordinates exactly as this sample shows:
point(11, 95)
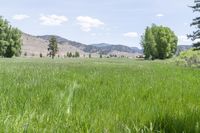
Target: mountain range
point(36, 45)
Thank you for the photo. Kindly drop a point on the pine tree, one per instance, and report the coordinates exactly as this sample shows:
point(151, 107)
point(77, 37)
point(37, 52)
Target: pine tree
point(70, 54)
point(53, 47)
point(101, 56)
point(196, 23)
point(90, 56)
point(77, 54)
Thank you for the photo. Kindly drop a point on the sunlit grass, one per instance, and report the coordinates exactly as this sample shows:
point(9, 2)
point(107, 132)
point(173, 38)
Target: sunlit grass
point(90, 95)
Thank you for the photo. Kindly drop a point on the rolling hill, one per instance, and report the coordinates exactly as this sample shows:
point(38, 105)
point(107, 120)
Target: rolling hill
point(34, 45)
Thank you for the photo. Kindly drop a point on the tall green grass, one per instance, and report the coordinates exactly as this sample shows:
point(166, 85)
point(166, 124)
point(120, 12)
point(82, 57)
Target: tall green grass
point(107, 95)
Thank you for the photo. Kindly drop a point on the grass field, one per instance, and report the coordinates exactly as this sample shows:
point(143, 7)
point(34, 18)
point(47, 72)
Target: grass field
point(108, 95)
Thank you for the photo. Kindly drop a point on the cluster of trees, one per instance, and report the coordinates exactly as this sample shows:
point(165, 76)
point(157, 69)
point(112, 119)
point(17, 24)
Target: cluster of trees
point(53, 49)
point(113, 55)
point(76, 55)
point(159, 42)
point(196, 23)
point(10, 40)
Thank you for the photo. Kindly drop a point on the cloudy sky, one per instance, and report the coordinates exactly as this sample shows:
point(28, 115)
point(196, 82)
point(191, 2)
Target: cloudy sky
point(97, 21)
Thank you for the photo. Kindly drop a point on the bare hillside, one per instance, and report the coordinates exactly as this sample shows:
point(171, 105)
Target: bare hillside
point(33, 46)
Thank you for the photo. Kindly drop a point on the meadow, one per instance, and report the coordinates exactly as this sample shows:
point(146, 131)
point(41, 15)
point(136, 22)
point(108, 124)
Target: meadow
point(98, 95)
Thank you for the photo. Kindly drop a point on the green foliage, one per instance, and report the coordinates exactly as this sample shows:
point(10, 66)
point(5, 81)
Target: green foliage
point(69, 54)
point(41, 55)
point(90, 56)
point(196, 24)
point(77, 54)
point(10, 40)
point(91, 95)
point(53, 47)
point(190, 58)
point(159, 42)
point(100, 56)
point(149, 44)
point(25, 54)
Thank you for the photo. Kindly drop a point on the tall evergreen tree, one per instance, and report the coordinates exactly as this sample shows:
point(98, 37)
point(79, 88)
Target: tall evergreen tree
point(53, 47)
point(196, 23)
point(77, 54)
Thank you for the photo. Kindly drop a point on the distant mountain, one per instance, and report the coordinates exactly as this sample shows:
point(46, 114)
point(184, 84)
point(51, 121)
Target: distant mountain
point(105, 48)
point(63, 41)
point(34, 45)
point(102, 48)
point(39, 44)
point(101, 45)
point(181, 48)
point(58, 38)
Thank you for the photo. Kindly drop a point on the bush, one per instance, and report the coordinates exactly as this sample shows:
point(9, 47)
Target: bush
point(190, 58)
point(25, 54)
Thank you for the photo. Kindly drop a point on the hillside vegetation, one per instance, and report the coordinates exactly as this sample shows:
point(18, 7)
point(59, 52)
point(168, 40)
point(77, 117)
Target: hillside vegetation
point(42, 95)
point(189, 58)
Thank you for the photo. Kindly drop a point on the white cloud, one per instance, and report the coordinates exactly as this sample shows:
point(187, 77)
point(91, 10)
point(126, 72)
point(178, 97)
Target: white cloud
point(160, 15)
point(183, 38)
point(52, 20)
point(20, 17)
point(131, 34)
point(87, 23)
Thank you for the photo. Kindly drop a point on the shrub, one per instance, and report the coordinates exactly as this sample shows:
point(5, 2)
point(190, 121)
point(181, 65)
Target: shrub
point(190, 58)
point(41, 55)
point(25, 54)
point(101, 56)
point(77, 54)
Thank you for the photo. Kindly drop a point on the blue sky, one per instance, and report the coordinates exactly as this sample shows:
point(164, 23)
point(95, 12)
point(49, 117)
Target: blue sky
point(92, 21)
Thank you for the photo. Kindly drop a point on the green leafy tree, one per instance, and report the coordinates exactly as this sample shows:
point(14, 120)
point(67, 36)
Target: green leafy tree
point(10, 40)
point(196, 23)
point(149, 44)
point(159, 42)
point(53, 47)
